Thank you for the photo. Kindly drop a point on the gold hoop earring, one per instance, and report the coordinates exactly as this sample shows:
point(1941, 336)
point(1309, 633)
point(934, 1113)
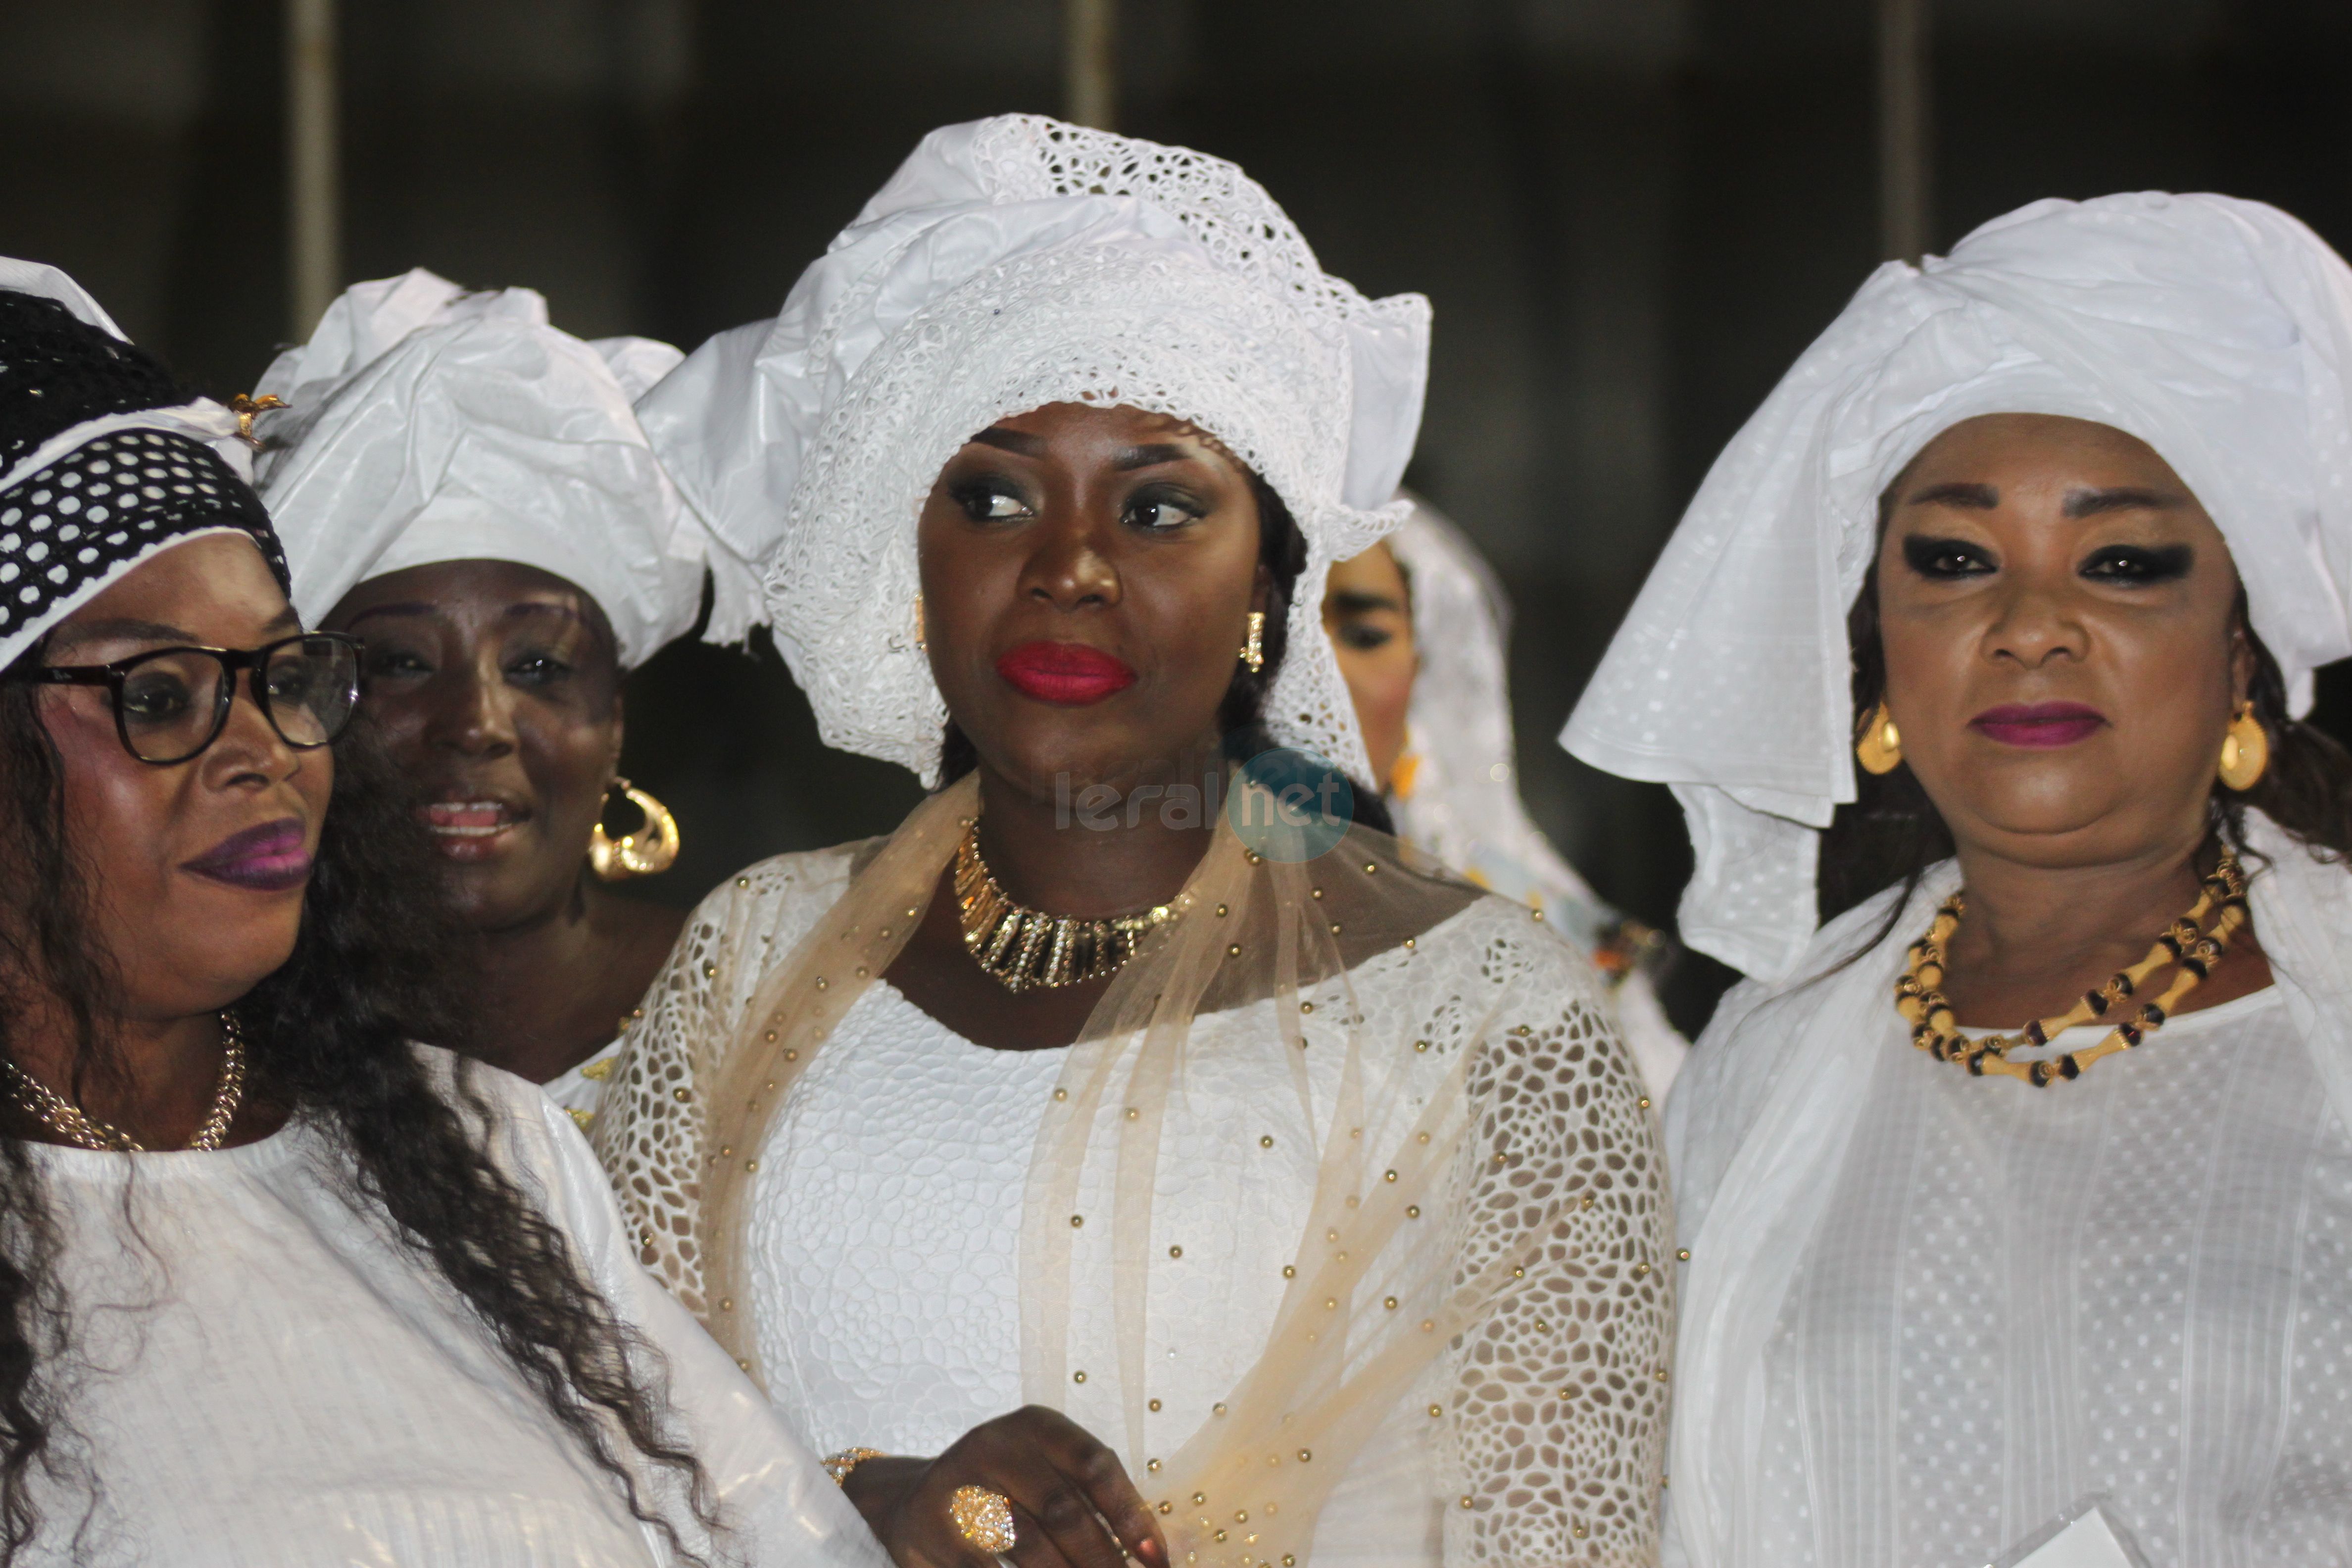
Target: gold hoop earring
point(922, 645)
point(651, 849)
point(2246, 749)
point(1253, 651)
point(1880, 750)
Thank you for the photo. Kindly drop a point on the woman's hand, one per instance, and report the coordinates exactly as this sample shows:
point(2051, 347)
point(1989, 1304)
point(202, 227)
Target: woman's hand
point(1073, 1506)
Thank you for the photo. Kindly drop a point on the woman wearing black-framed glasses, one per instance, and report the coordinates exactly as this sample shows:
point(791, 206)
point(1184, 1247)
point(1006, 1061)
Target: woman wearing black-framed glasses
point(354, 1297)
point(171, 703)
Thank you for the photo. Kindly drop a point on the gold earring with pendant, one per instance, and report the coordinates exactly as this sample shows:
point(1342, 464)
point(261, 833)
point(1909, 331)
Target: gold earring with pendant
point(2246, 749)
point(1879, 749)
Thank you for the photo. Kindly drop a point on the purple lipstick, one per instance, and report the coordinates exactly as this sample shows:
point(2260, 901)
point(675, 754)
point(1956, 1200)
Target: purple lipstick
point(269, 858)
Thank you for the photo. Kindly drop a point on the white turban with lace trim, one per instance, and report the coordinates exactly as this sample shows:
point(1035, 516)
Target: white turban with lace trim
point(427, 424)
point(2217, 331)
point(1010, 263)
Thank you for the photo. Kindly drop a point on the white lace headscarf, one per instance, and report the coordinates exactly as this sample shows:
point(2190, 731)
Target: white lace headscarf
point(1462, 805)
point(2217, 331)
point(1010, 263)
point(427, 424)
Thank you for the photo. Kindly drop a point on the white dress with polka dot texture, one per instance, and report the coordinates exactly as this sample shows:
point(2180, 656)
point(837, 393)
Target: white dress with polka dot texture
point(2137, 1284)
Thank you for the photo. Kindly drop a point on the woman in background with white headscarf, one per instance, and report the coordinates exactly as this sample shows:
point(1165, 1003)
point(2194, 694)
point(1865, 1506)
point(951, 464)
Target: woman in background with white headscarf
point(1421, 628)
point(1301, 1193)
point(466, 487)
point(2047, 536)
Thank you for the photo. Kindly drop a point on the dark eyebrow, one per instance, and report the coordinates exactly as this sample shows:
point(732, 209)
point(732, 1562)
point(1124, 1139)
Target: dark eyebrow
point(1357, 602)
point(1150, 456)
point(126, 629)
point(541, 608)
point(416, 609)
point(1016, 441)
point(1974, 497)
point(2124, 498)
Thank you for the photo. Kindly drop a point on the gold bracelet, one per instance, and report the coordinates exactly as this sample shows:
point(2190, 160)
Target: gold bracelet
point(839, 1466)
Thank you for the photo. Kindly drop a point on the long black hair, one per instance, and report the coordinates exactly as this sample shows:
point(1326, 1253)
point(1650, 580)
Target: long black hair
point(1893, 833)
point(330, 1036)
point(1240, 716)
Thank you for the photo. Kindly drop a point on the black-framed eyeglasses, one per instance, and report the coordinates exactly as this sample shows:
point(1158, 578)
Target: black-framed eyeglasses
point(171, 703)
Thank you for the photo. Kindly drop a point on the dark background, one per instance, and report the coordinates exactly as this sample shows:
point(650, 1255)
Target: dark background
point(1632, 215)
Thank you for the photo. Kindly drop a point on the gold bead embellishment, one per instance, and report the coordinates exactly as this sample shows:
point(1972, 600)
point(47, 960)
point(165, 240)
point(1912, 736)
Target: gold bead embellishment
point(1023, 949)
point(1919, 998)
point(839, 1466)
point(983, 1517)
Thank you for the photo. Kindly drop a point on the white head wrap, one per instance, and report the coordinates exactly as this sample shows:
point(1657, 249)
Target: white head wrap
point(2217, 331)
point(1464, 806)
point(427, 424)
point(1012, 263)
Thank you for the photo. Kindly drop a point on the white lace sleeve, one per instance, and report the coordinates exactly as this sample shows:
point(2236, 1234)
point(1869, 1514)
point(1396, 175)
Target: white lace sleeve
point(1561, 1394)
point(648, 1132)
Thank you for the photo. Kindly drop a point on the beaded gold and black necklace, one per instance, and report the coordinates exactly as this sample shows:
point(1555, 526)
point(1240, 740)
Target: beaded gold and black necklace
point(1919, 998)
point(1024, 948)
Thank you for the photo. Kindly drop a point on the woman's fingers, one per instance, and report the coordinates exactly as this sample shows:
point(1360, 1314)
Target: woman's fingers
point(1036, 1546)
point(1095, 1492)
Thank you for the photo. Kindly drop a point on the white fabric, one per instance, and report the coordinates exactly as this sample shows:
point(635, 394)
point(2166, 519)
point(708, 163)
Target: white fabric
point(579, 1089)
point(2217, 331)
point(277, 1384)
point(900, 1163)
point(886, 1219)
point(1008, 264)
point(2130, 1282)
point(1464, 805)
point(427, 424)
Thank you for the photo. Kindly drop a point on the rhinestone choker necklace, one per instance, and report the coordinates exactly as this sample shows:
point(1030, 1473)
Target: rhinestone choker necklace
point(1027, 948)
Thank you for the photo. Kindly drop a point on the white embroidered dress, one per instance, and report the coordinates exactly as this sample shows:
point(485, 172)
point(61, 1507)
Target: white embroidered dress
point(269, 1380)
point(1927, 1312)
point(886, 1223)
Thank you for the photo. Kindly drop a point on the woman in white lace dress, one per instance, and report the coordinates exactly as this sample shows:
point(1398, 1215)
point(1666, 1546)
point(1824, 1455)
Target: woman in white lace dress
point(1088, 1165)
point(465, 487)
point(2046, 538)
point(1421, 631)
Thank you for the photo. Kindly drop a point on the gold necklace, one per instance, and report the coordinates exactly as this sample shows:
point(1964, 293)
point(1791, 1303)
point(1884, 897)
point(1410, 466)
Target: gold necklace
point(1934, 1029)
point(1024, 948)
point(69, 1120)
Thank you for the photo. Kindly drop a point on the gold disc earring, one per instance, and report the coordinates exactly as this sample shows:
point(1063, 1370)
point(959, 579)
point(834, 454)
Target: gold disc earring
point(650, 849)
point(2246, 749)
point(1880, 750)
point(1253, 651)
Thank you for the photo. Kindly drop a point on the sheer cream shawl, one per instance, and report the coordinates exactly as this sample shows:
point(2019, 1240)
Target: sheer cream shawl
point(1489, 1186)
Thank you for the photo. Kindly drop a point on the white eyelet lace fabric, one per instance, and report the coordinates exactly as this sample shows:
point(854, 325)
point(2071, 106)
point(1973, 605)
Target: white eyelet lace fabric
point(1551, 1407)
point(1009, 265)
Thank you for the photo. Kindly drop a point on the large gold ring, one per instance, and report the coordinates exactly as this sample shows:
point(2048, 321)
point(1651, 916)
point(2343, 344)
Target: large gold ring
point(983, 1517)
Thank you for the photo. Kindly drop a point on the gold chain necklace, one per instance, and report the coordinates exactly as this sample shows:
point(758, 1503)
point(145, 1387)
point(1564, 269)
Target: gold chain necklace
point(1934, 1029)
point(1024, 948)
point(69, 1120)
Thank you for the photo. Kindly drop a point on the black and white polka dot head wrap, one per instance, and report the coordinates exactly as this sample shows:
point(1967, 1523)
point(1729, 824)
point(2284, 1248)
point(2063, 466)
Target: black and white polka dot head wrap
point(104, 459)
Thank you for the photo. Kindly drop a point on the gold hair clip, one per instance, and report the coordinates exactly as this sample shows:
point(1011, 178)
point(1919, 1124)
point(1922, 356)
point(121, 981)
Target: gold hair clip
point(244, 405)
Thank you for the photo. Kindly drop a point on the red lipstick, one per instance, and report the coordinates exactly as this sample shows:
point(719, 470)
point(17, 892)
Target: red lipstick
point(2043, 725)
point(269, 858)
point(1070, 674)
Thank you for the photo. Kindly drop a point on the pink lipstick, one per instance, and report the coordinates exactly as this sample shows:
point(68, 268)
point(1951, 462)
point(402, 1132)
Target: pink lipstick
point(1070, 674)
point(2043, 725)
point(269, 858)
